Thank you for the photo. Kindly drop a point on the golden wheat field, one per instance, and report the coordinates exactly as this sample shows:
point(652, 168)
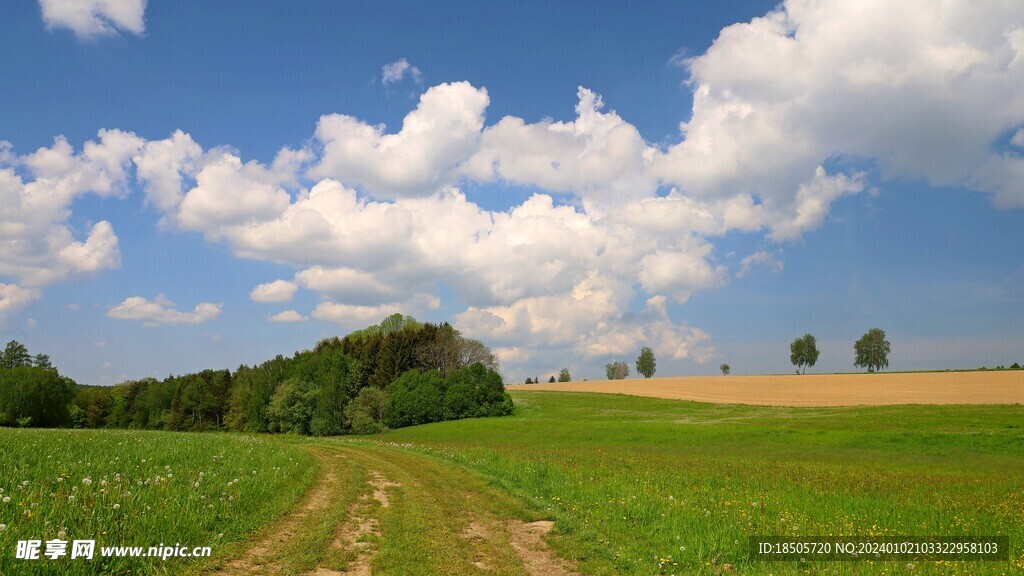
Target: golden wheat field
point(983, 387)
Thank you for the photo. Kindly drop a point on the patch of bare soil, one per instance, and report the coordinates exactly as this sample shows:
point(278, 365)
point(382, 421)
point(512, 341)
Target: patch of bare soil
point(528, 540)
point(989, 387)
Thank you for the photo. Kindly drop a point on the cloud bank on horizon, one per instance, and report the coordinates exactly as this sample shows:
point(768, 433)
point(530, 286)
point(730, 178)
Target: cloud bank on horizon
point(788, 110)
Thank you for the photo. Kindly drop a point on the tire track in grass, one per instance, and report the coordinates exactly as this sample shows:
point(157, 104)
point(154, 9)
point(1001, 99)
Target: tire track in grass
point(295, 542)
point(377, 510)
point(443, 520)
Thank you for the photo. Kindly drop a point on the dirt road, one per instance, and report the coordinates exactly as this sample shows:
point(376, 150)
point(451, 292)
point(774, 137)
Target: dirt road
point(381, 510)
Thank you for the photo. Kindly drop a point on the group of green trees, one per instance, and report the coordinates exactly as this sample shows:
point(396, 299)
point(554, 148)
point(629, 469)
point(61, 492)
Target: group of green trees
point(32, 392)
point(398, 373)
point(870, 352)
point(646, 366)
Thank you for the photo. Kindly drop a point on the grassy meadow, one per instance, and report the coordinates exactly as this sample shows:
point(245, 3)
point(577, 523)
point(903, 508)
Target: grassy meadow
point(635, 486)
point(648, 486)
point(134, 488)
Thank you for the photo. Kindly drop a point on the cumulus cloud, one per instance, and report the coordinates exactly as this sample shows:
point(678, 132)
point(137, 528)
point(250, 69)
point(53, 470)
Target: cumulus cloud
point(398, 70)
point(13, 298)
point(439, 134)
point(276, 291)
point(917, 92)
point(591, 321)
point(356, 316)
point(287, 316)
point(92, 18)
point(160, 310)
point(37, 190)
point(598, 156)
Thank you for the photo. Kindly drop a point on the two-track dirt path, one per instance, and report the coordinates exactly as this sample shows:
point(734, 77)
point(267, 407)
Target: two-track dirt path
point(383, 510)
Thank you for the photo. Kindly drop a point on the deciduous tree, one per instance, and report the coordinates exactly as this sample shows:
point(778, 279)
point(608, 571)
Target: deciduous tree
point(803, 353)
point(617, 370)
point(645, 363)
point(872, 351)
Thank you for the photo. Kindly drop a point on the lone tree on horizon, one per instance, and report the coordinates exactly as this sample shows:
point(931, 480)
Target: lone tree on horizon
point(725, 369)
point(803, 353)
point(617, 370)
point(645, 363)
point(564, 375)
point(872, 351)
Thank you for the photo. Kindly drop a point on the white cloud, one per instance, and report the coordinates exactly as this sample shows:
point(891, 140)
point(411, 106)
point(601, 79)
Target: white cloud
point(160, 310)
point(759, 259)
point(440, 133)
point(14, 298)
point(162, 165)
point(276, 291)
point(592, 321)
point(91, 18)
point(680, 270)
point(921, 92)
point(287, 316)
point(37, 191)
point(399, 69)
point(598, 156)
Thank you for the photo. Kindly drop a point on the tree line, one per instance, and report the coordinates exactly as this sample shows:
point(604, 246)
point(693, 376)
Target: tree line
point(398, 373)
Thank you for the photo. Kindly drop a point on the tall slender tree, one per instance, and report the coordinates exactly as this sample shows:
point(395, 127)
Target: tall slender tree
point(645, 363)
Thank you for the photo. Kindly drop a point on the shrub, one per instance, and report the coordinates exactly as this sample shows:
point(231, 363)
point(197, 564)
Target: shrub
point(415, 398)
point(365, 414)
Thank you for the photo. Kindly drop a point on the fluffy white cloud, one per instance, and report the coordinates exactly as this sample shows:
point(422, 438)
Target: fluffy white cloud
point(91, 18)
point(13, 298)
point(680, 270)
point(399, 69)
point(358, 316)
point(593, 320)
point(162, 165)
point(276, 291)
point(36, 194)
point(160, 310)
point(598, 156)
point(921, 92)
point(439, 134)
point(287, 316)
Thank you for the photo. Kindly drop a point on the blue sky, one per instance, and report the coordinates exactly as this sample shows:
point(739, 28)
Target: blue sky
point(836, 169)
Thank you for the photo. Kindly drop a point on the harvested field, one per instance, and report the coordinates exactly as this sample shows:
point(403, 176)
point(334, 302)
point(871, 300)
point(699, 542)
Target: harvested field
point(989, 387)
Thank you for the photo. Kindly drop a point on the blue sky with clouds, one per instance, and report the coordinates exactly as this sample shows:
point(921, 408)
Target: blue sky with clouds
point(190, 185)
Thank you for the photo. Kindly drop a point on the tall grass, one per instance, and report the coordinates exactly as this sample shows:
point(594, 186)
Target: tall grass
point(134, 488)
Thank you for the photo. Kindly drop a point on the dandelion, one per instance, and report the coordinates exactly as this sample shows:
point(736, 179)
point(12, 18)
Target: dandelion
point(117, 506)
point(87, 481)
point(60, 478)
point(7, 499)
point(71, 498)
point(3, 527)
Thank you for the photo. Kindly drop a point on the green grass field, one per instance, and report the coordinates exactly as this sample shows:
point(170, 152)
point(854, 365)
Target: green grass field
point(647, 486)
point(634, 485)
point(128, 488)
